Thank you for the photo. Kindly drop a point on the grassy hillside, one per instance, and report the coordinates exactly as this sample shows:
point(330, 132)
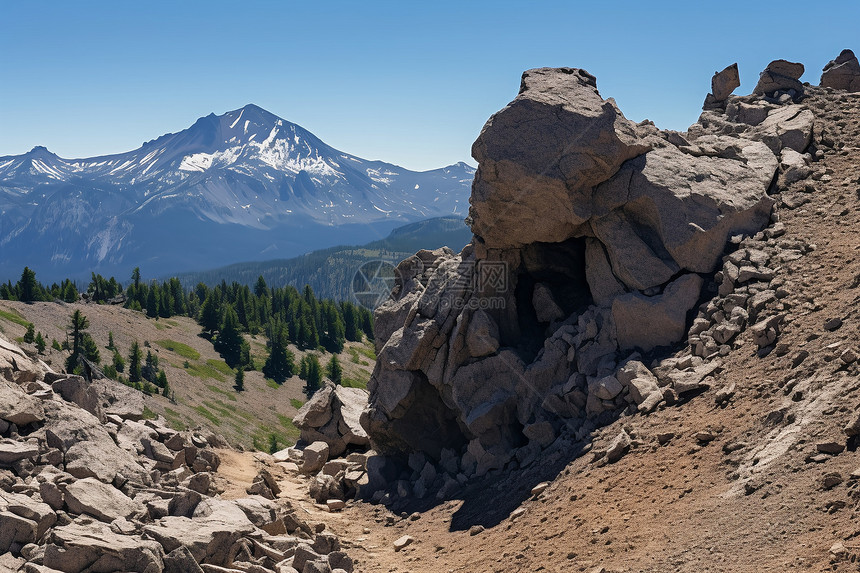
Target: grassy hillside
point(201, 380)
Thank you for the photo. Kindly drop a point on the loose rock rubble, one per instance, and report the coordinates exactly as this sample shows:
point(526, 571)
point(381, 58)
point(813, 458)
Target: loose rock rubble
point(88, 484)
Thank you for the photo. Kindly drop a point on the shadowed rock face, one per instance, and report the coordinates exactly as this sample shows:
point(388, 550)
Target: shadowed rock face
point(591, 236)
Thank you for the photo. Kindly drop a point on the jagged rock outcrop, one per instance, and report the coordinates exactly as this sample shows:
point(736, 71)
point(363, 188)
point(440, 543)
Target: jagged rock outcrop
point(593, 239)
point(332, 416)
point(843, 73)
point(87, 485)
point(723, 83)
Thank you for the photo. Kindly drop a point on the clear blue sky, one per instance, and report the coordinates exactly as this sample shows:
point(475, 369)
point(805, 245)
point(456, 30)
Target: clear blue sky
point(407, 82)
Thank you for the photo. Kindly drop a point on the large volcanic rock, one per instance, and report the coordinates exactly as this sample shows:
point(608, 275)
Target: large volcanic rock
point(592, 234)
point(543, 190)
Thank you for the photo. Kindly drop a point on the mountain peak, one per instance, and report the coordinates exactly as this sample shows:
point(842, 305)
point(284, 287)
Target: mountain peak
point(253, 114)
point(41, 150)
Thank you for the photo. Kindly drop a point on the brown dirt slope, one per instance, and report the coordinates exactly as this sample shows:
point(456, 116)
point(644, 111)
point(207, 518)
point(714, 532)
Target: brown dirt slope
point(740, 486)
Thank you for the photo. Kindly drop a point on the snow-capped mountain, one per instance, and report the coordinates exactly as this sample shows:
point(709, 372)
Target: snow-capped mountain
point(243, 185)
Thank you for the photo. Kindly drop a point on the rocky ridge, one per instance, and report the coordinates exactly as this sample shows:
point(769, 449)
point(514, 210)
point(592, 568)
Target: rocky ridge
point(605, 237)
point(88, 484)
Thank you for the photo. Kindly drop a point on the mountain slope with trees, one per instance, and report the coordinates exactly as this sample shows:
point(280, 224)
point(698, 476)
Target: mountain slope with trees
point(227, 357)
point(330, 271)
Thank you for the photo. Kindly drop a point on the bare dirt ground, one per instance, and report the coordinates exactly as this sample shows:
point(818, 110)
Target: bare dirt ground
point(752, 499)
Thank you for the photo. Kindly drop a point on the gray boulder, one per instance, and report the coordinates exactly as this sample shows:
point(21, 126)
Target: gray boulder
point(332, 416)
point(557, 140)
point(16, 366)
point(28, 508)
point(81, 392)
point(780, 75)
point(16, 529)
point(644, 388)
point(315, 457)
point(88, 447)
point(591, 236)
point(16, 407)
point(12, 450)
point(724, 83)
point(95, 547)
point(646, 322)
point(482, 335)
point(180, 560)
point(843, 73)
point(208, 535)
point(100, 500)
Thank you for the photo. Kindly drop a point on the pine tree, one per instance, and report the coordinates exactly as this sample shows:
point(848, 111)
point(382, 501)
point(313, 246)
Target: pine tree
point(209, 319)
point(303, 368)
point(314, 379)
point(261, 289)
point(165, 301)
point(78, 326)
point(280, 363)
point(161, 379)
point(118, 361)
point(229, 341)
point(30, 335)
point(70, 292)
point(350, 322)
point(152, 301)
point(334, 370)
point(134, 367)
point(55, 345)
point(7, 292)
point(40, 343)
point(240, 380)
point(110, 344)
point(149, 371)
point(28, 288)
point(90, 349)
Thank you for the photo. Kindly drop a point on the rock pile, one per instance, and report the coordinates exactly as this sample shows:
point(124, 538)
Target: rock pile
point(330, 428)
point(87, 484)
point(595, 239)
point(332, 416)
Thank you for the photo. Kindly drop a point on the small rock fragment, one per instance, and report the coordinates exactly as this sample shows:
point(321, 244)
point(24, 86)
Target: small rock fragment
point(402, 542)
point(539, 488)
point(831, 480)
